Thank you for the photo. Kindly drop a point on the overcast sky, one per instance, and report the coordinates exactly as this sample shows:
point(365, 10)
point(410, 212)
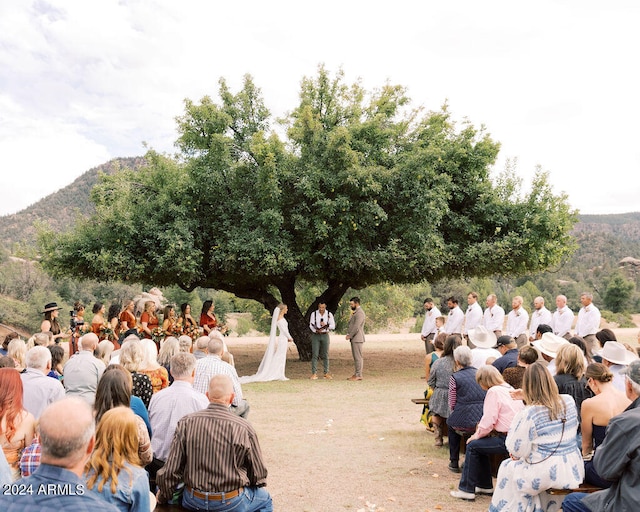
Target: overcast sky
point(556, 82)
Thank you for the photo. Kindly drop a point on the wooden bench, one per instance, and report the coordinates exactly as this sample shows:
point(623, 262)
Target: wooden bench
point(420, 401)
point(581, 488)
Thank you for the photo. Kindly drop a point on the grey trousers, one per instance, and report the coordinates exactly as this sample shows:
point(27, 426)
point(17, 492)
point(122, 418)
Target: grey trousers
point(356, 352)
point(319, 348)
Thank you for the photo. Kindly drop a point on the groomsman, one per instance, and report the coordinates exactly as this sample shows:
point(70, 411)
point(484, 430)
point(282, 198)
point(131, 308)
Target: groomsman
point(517, 321)
point(541, 315)
point(562, 318)
point(588, 323)
point(473, 316)
point(493, 315)
point(455, 317)
point(429, 327)
point(355, 336)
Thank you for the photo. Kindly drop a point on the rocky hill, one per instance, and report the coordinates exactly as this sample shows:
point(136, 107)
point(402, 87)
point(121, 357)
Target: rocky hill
point(61, 208)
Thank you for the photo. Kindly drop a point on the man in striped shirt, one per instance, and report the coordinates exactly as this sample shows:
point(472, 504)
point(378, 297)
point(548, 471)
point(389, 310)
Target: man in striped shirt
point(217, 456)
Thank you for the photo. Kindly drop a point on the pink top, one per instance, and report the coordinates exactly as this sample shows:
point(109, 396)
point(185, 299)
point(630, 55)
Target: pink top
point(498, 411)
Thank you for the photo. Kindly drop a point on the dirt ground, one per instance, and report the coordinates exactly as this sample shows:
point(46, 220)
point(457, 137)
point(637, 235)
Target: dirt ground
point(352, 446)
point(355, 446)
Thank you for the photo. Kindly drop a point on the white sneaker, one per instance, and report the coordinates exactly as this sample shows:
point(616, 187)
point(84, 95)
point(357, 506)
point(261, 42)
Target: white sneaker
point(480, 490)
point(468, 496)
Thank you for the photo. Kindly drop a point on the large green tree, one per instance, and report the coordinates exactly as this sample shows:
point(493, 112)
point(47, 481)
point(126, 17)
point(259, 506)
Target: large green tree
point(352, 188)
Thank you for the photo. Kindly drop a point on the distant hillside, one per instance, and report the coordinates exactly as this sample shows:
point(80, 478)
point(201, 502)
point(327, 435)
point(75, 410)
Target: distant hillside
point(61, 208)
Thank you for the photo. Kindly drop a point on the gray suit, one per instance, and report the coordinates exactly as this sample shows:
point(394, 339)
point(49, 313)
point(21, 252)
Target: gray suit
point(355, 331)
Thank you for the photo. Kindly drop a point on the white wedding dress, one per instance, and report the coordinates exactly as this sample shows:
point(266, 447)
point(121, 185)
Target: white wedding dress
point(275, 357)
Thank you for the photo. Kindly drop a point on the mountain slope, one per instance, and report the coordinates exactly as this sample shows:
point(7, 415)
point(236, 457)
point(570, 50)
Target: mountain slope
point(60, 208)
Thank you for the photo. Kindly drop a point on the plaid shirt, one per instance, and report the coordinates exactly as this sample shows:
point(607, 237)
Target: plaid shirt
point(30, 459)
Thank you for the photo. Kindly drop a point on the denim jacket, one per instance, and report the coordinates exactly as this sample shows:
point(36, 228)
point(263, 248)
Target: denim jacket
point(132, 492)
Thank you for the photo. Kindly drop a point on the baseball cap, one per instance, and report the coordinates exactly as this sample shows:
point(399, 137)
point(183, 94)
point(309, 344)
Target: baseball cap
point(504, 340)
point(633, 371)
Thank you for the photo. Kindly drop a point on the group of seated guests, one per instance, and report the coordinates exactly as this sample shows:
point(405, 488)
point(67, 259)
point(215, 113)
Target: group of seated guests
point(546, 409)
point(137, 395)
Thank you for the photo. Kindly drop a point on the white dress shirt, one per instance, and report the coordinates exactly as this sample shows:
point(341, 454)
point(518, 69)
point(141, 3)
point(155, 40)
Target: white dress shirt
point(166, 408)
point(315, 322)
point(473, 317)
point(454, 321)
point(429, 324)
point(39, 390)
point(494, 318)
point(562, 321)
point(517, 321)
point(539, 317)
point(588, 321)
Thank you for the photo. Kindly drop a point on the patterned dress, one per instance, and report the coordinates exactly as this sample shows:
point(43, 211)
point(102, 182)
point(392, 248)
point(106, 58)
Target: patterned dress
point(546, 456)
point(441, 371)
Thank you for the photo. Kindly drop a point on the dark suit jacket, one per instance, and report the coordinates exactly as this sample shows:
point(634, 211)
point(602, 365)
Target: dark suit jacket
point(355, 329)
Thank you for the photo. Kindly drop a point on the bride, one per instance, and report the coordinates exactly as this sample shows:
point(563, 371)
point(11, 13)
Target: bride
point(275, 357)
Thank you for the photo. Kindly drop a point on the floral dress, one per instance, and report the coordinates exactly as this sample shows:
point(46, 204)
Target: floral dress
point(547, 457)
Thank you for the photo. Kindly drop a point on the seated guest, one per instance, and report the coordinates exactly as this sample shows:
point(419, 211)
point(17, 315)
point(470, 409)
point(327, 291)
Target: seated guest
point(57, 357)
point(586, 350)
point(149, 366)
point(542, 447)
point(67, 435)
point(439, 377)
point(217, 455)
point(17, 425)
point(569, 375)
point(499, 409)
point(214, 365)
point(185, 343)
point(596, 413)
point(541, 329)
point(170, 405)
point(200, 347)
point(114, 390)
point(616, 357)
point(17, 350)
point(39, 389)
point(617, 459)
point(508, 349)
point(169, 348)
point(548, 346)
point(513, 376)
point(484, 342)
point(114, 470)
point(466, 398)
point(83, 371)
point(131, 357)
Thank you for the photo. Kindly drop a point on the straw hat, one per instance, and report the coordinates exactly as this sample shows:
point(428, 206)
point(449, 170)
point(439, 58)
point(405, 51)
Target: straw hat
point(617, 353)
point(52, 306)
point(549, 344)
point(482, 338)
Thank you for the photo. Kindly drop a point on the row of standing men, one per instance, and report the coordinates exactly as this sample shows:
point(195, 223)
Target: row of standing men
point(519, 324)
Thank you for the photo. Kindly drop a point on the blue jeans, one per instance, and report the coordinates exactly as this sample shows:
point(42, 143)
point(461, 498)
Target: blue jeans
point(476, 471)
point(573, 503)
point(251, 499)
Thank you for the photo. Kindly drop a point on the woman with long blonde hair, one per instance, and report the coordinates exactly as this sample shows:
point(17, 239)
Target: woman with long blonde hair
point(542, 446)
point(114, 469)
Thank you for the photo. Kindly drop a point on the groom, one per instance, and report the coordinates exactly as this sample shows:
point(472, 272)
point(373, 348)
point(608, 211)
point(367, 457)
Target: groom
point(355, 334)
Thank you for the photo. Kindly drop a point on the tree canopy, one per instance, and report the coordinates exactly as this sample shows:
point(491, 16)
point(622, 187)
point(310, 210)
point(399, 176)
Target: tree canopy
point(352, 188)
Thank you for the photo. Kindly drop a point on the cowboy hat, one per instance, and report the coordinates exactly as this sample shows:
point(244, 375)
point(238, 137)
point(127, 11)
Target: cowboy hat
point(52, 306)
point(549, 344)
point(482, 338)
point(617, 353)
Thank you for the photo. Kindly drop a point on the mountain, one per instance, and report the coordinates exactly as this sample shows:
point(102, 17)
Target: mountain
point(61, 208)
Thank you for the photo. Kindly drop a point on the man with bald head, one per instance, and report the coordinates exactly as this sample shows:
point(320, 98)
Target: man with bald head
point(562, 319)
point(540, 316)
point(83, 370)
point(217, 456)
point(66, 431)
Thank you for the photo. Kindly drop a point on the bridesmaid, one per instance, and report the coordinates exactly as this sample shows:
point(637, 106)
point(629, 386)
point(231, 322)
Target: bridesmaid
point(208, 320)
point(97, 323)
point(148, 319)
point(127, 318)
